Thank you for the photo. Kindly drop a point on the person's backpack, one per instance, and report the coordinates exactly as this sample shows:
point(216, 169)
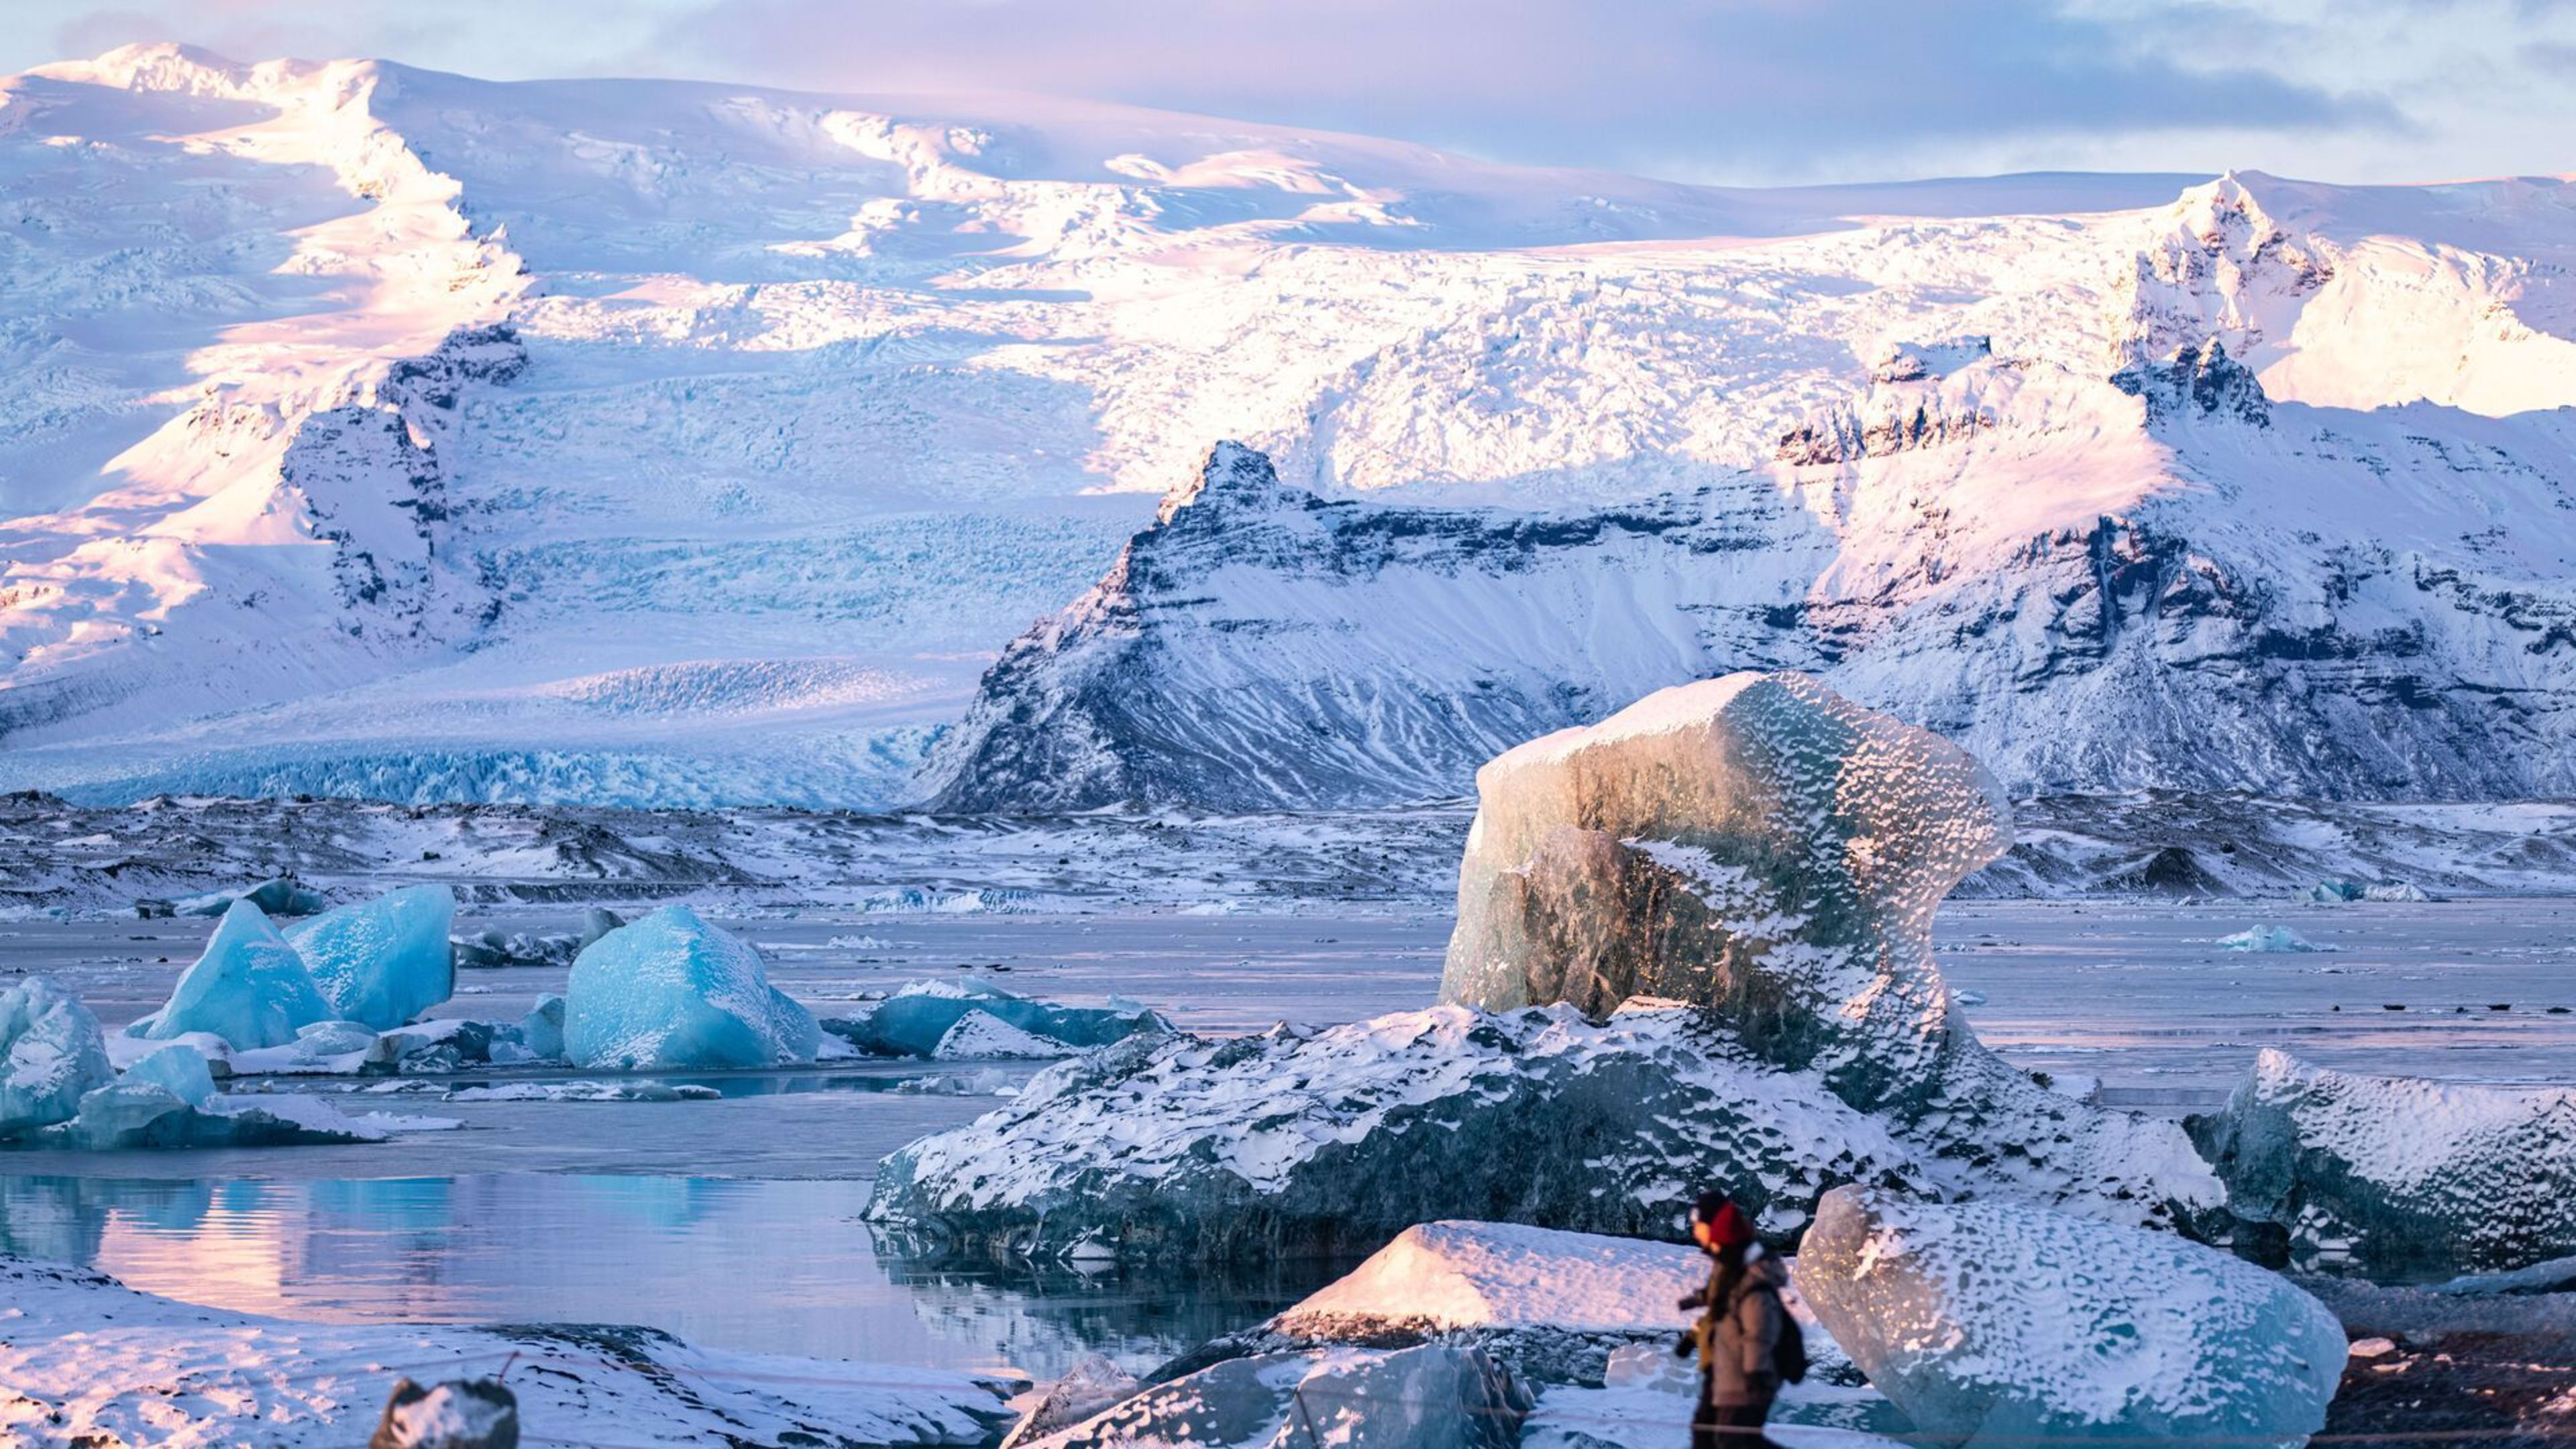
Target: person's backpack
point(1789, 1355)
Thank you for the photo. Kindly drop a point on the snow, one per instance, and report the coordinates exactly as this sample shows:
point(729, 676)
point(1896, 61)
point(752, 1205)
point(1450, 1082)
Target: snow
point(385, 961)
point(669, 990)
point(248, 987)
point(51, 1053)
point(85, 1356)
point(981, 1035)
point(1449, 1275)
point(380, 432)
point(2269, 939)
point(2398, 1174)
point(2003, 1323)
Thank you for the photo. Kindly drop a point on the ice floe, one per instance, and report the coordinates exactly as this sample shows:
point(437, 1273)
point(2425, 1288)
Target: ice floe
point(672, 991)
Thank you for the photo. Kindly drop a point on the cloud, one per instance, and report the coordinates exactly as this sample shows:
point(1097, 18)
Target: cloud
point(1763, 86)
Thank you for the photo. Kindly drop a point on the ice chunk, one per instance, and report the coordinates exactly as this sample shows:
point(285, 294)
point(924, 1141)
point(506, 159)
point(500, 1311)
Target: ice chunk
point(248, 986)
point(177, 1069)
point(458, 1414)
point(144, 1113)
point(672, 991)
point(51, 1052)
point(2269, 939)
point(284, 896)
point(2005, 1325)
point(2399, 1172)
point(541, 1031)
point(384, 961)
point(982, 1035)
point(1756, 843)
point(1429, 1397)
point(1093, 1385)
point(918, 1018)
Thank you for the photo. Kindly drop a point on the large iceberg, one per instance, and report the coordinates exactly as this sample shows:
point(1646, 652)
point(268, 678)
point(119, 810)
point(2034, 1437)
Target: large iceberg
point(1762, 850)
point(248, 986)
point(2398, 1173)
point(672, 991)
point(385, 961)
point(1428, 1397)
point(51, 1053)
point(2005, 1324)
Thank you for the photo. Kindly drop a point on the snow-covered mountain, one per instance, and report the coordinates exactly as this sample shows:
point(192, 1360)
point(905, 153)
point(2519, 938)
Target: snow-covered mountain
point(365, 430)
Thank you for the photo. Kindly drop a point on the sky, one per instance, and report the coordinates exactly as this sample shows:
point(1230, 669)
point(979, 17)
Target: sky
point(1731, 91)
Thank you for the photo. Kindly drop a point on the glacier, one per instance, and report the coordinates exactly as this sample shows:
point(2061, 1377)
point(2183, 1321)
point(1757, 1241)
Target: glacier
point(2000, 1323)
point(384, 961)
point(2397, 1175)
point(669, 990)
point(248, 986)
point(52, 1053)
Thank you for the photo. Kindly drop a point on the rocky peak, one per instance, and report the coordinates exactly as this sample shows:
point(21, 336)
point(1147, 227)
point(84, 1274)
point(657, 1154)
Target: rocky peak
point(1231, 475)
point(2222, 266)
point(2197, 381)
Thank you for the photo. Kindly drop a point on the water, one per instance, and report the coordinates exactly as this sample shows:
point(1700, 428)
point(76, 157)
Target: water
point(756, 1265)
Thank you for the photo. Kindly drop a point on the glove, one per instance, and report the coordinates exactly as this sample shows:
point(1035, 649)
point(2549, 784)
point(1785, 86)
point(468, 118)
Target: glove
point(1686, 1345)
point(1691, 1301)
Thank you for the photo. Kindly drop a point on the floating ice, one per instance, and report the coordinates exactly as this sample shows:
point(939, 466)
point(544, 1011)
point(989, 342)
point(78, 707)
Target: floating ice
point(2399, 1172)
point(384, 961)
point(2005, 1324)
point(149, 1112)
point(1755, 843)
point(177, 1069)
point(541, 1031)
point(672, 991)
point(980, 1035)
point(248, 986)
point(2269, 939)
point(919, 1018)
point(1415, 1398)
point(284, 896)
point(51, 1052)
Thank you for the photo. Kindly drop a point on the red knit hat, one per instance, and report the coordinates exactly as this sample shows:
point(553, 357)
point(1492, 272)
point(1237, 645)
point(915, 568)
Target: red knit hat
point(1728, 1227)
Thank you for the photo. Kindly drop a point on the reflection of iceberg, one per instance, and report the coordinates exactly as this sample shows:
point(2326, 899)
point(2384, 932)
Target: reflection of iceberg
point(2011, 1325)
point(2399, 1171)
point(1755, 846)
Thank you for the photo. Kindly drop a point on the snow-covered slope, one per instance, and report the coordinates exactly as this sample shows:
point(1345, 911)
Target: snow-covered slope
point(369, 430)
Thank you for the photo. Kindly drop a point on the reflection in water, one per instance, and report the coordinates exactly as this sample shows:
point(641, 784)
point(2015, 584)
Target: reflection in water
point(766, 1266)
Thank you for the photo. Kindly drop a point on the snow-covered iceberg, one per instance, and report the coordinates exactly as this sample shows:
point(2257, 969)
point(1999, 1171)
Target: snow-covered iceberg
point(1755, 845)
point(2398, 1173)
point(51, 1054)
point(2269, 940)
point(923, 1018)
point(248, 986)
point(2003, 1324)
point(672, 991)
point(385, 961)
point(1428, 1397)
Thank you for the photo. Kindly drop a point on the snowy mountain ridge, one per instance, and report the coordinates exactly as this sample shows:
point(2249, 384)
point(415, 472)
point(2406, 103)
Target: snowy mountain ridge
point(376, 431)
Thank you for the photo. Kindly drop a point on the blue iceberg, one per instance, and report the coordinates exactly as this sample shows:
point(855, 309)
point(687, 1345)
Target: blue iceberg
point(248, 987)
point(917, 1019)
point(672, 991)
point(385, 961)
point(51, 1053)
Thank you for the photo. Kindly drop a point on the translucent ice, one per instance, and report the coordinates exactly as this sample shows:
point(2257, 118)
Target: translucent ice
point(248, 986)
point(51, 1052)
point(283, 896)
point(177, 1069)
point(672, 991)
point(2399, 1173)
point(2004, 1325)
point(143, 1113)
point(1431, 1397)
point(541, 1031)
point(1757, 844)
point(384, 961)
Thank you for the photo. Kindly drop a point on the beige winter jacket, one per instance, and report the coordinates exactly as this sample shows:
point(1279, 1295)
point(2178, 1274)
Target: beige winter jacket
point(1737, 1338)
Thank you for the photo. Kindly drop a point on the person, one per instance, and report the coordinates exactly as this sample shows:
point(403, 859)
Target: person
point(1738, 1332)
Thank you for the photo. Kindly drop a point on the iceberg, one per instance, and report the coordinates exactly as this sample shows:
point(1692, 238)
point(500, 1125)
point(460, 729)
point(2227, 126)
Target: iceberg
point(248, 987)
point(981, 1036)
point(283, 896)
point(541, 1031)
point(1414, 1398)
point(2398, 1174)
point(146, 1112)
point(1693, 950)
point(385, 961)
point(1092, 1385)
point(51, 1053)
point(177, 1069)
point(672, 991)
point(920, 1016)
point(2269, 939)
point(2003, 1324)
